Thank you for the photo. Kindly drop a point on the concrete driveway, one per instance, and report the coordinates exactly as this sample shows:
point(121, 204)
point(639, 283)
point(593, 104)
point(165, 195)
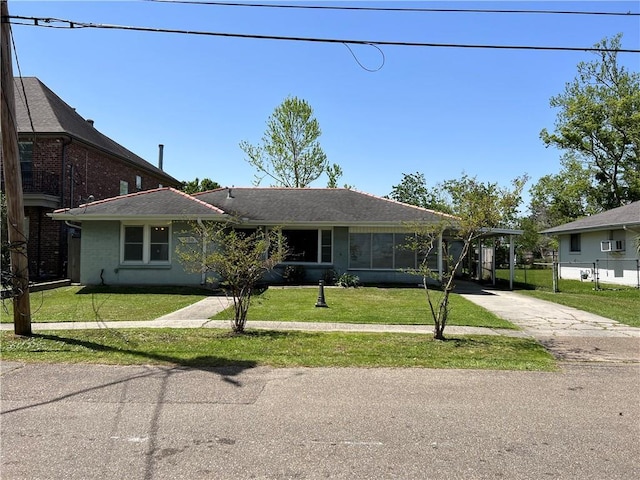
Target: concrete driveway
point(568, 333)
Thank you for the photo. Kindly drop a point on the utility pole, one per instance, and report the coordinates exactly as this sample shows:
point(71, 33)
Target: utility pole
point(13, 184)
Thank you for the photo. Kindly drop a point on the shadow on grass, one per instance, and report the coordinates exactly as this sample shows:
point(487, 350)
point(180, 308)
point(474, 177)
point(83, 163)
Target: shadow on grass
point(158, 290)
point(206, 362)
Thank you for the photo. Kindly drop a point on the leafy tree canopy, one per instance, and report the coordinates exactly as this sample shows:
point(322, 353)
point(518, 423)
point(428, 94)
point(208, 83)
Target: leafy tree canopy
point(598, 124)
point(290, 153)
point(413, 190)
point(195, 185)
point(477, 206)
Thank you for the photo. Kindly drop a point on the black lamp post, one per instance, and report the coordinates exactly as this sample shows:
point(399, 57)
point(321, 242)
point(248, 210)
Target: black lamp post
point(321, 302)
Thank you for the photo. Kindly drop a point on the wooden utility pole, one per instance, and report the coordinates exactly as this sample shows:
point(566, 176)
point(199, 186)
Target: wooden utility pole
point(13, 185)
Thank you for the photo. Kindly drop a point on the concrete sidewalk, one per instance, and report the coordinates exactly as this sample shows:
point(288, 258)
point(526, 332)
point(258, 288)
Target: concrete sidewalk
point(570, 334)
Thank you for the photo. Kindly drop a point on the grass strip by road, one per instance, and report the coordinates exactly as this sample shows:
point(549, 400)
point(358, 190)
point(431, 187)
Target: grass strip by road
point(391, 306)
point(217, 347)
point(80, 304)
point(610, 301)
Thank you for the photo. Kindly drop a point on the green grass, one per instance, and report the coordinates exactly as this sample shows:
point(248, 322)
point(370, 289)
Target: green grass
point(394, 306)
point(217, 347)
point(611, 301)
point(70, 304)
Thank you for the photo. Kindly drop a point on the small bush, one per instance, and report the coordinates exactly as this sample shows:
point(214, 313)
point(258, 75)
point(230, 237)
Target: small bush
point(329, 276)
point(347, 280)
point(293, 274)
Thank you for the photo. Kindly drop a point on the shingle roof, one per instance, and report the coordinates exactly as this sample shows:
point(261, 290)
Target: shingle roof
point(167, 203)
point(307, 205)
point(52, 115)
point(261, 206)
point(615, 218)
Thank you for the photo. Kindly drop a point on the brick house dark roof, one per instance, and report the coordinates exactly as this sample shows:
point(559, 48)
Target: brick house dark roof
point(627, 215)
point(336, 206)
point(166, 203)
point(52, 115)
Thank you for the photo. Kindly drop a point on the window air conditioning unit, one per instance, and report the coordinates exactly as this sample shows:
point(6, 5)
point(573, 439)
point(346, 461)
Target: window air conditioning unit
point(612, 246)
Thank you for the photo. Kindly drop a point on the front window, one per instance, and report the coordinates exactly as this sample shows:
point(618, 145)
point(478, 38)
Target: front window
point(159, 244)
point(574, 243)
point(133, 243)
point(383, 250)
point(309, 246)
point(145, 243)
point(25, 150)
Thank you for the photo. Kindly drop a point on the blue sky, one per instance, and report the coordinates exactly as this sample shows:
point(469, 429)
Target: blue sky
point(438, 111)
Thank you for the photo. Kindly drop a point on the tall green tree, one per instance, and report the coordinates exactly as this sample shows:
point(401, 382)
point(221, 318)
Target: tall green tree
point(196, 185)
point(599, 124)
point(290, 153)
point(563, 197)
point(477, 207)
point(413, 190)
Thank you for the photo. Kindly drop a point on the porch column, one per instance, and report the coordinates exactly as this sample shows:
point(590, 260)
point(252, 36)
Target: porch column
point(512, 266)
point(480, 261)
point(493, 264)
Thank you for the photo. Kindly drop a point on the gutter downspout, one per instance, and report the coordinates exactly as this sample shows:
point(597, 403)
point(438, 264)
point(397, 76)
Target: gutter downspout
point(203, 275)
point(69, 224)
point(62, 240)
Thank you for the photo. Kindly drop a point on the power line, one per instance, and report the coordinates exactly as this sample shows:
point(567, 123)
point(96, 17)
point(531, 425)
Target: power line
point(49, 22)
point(392, 9)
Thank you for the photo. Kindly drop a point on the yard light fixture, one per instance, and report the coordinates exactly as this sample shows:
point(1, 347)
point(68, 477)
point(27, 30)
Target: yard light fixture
point(321, 302)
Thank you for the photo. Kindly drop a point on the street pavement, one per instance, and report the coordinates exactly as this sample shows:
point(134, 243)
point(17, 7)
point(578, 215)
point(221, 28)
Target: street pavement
point(85, 422)
point(156, 423)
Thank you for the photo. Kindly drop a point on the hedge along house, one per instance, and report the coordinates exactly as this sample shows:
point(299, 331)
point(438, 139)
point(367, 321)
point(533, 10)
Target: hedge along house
point(601, 247)
point(132, 239)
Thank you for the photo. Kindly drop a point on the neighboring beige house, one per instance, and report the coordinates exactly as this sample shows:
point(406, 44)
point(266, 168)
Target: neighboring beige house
point(601, 247)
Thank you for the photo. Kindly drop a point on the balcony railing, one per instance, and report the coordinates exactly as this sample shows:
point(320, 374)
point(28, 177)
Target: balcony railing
point(37, 181)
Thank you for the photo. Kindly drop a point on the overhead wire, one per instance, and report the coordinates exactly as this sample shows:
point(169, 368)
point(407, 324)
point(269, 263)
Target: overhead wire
point(49, 22)
point(393, 9)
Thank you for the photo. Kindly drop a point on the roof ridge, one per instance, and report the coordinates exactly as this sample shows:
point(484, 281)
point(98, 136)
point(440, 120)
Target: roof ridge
point(391, 200)
point(197, 200)
point(63, 118)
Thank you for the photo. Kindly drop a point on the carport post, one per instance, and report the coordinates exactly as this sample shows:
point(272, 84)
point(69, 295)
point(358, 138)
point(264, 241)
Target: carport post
point(512, 261)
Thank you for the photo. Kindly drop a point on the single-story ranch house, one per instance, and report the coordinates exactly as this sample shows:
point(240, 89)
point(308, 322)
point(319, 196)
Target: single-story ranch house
point(131, 239)
point(601, 247)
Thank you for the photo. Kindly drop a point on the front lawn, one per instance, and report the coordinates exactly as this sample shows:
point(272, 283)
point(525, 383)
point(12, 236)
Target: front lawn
point(78, 304)
point(394, 306)
point(206, 347)
point(616, 302)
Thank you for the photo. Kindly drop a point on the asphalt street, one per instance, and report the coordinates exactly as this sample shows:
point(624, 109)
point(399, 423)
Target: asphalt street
point(141, 422)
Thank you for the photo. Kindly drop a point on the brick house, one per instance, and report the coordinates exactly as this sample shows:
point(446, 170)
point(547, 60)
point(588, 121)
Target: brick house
point(64, 162)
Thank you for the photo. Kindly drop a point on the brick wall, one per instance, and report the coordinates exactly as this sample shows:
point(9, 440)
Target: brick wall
point(87, 171)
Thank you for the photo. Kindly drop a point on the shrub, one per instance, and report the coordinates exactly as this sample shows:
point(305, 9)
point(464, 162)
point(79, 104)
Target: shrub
point(329, 276)
point(347, 280)
point(293, 274)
